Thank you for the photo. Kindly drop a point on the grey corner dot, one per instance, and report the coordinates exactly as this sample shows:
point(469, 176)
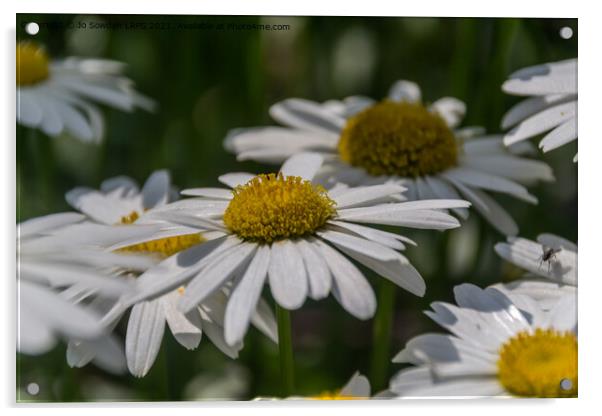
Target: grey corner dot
point(33, 389)
point(566, 384)
point(32, 28)
point(566, 32)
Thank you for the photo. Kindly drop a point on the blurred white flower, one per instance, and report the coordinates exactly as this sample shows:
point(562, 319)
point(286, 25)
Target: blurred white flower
point(122, 205)
point(283, 228)
point(59, 266)
point(501, 344)
point(357, 388)
point(61, 96)
point(551, 106)
point(398, 140)
point(551, 263)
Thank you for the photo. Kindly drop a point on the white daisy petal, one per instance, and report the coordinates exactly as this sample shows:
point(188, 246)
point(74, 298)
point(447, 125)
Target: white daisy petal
point(542, 122)
point(304, 165)
point(382, 237)
point(533, 105)
point(176, 270)
point(125, 186)
point(357, 244)
point(287, 276)
point(106, 352)
point(269, 156)
point(358, 196)
point(210, 278)
point(450, 109)
point(155, 191)
point(472, 387)
point(306, 115)
point(263, 319)
point(562, 267)
point(398, 270)
point(489, 182)
point(75, 123)
point(465, 324)
point(442, 190)
point(555, 241)
point(213, 193)
point(52, 309)
point(403, 90)
point(144, 335)
point(235, 179)
point(349, 285)
point(511, 167)
point(561, 135)
point(242, 140)
point(488, 208)
point(184, 331)
point(398, 214)
point(216, 334)
point(47, 223)
point(443, 348)
point(318, 273)
point(34, 336)
point(29, 111)
point(357, 386)
point(243, 301)
point(499, 308)
point(550, 78)
point(563, 316)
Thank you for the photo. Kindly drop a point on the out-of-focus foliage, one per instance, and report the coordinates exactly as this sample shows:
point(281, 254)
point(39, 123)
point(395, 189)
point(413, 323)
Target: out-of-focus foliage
point(208, 80)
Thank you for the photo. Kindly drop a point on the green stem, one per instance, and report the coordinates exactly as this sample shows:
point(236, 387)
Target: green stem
point(381, 335)
point(285, 346)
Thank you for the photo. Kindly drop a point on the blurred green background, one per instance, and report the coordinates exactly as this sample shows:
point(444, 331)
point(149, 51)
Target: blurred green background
point(208, 81)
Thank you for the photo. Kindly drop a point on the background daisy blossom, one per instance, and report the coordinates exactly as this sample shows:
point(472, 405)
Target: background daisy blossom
point(399, 140)
point(60, 267)
point(551, 108)
point(356, 388)
point(61, 96)
point(282, 228)
point(121, 204)
point(500, 345)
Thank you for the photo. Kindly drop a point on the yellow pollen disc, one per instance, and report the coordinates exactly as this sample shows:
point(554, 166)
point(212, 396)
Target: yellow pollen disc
point(165, 247)
point(271, 207)
point(398, 138)
point(130, 218)
point(334, 395)
point(539, 364)
point(32, 64)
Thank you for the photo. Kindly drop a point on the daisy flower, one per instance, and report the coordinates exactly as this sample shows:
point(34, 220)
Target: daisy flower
point(282, 228)
point(500, 345)
point(551, 107)
point(121, 204)
point(357, 388)
point(551, 263)
point(56, 263)
point(398, 140)
point(61, 96)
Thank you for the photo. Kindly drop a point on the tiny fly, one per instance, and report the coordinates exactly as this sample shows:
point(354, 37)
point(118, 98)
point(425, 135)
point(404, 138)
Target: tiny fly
point(548, 255)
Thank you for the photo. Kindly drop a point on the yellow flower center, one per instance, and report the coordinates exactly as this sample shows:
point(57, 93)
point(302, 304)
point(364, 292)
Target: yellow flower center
point(272, 207)
point(130, 218)
point(398, 138)
point(539, 364)
point(334, 395)
point(32, 64)
point(162, 247)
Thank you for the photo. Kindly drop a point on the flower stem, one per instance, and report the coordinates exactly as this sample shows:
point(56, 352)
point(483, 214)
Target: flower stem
point(381, 335)
point(285, 346)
